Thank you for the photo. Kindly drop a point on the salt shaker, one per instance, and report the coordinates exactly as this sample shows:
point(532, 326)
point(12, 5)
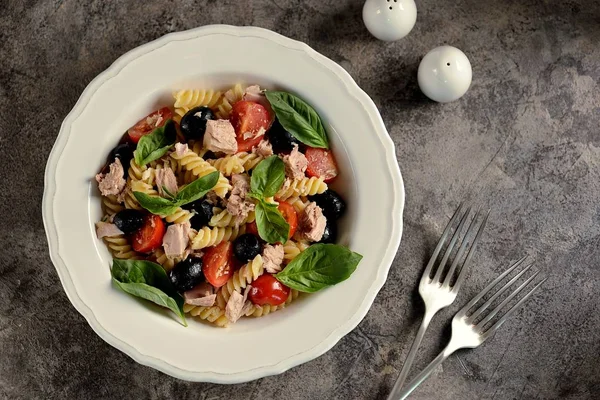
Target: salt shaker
point(445, 74)
point(389, 20)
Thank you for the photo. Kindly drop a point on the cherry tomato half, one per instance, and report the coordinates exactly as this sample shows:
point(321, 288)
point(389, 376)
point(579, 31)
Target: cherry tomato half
point(268, 290)
point(149, 237)
point(290, 216)
point(218, 264)
point(248, 117)
point(321, 164)
point(147, 124)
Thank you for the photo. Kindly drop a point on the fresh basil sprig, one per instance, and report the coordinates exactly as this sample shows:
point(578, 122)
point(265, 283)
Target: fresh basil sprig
point(188, 194)
point(148, 281)
point(272, 227)
point(266, 181)
point(267, 177)
point(298, 118)
point(319, 266)
point(155, 144)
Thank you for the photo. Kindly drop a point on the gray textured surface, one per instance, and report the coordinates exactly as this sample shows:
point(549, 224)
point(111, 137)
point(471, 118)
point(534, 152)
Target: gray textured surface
point(525, 137)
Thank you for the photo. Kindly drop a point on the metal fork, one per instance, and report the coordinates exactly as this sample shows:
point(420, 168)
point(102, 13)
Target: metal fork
point(438, 293)
point(467, 332)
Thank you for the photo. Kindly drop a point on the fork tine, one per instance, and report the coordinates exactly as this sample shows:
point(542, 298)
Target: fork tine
point(450, 247)
point(512, 310)
point(436, 252)
point(462, 274)
point(478, 297)
point(493, 313)
point(498, 293)
point(462, 249)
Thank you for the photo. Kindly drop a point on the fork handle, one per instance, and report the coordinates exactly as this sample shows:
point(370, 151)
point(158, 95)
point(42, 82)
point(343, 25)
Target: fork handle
point(423, 374)
point(411, 354)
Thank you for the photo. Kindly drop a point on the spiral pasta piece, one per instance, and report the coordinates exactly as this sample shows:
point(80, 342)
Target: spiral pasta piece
point(261, 311)
point(292, 248)
point(299, 203)
point(167, 262)
point(226, 102)
point(240, 279)
point(135, 171)
point(207, 237)
point(249, 160)
point(302, 187)
point(212, 314)
point(222, 219)
point(188, 99)
point(120, 248)
point(198, 168)
point(137, 186)
point(180, 216)
point(228, 165)
point(110, 205)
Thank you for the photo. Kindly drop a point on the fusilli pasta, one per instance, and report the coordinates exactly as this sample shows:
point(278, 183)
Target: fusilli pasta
point(120, 248)
point(226, 102)
point(110, 205)
point(302, 187)
point(240, 279)
point(261, 311)
point(207, 237)
point(223, 219)
point(212, 314)
point(228, 165)
point(185, 100)
point(198, 167)
point(292, 248)
point(249, 160)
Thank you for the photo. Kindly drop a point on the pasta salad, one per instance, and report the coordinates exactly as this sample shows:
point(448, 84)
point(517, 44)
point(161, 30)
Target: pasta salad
point(219, 207)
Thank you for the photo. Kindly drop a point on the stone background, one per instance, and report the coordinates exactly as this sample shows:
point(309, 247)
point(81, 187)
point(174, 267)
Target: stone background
point(524, 141)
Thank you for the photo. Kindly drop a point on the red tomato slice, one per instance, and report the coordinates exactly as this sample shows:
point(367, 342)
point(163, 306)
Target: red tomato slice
point(321, 164)
point(252, 228)
point(147, 124)
point(218, 266)
point(290, 215)
point(149, 237)
point(268, 290)
point(248, 117)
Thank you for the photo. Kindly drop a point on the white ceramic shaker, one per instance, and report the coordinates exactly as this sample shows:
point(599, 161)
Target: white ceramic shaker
point(445, 74)
point(389, 20)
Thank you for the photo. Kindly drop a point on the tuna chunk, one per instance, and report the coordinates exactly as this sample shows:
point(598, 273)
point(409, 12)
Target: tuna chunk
point(201, 295)
point(105, 229)
point(220, 137)
point(175, 241)
point(295, 164)
point(264, 149)
point(238, 205)
point(236, 305)
point(114, 182)
point(272, 258)
point(312, 222)
point(181, 149)
point(165, 179)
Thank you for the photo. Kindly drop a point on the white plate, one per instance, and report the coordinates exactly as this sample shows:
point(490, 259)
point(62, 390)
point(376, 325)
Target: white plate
point(216, 57)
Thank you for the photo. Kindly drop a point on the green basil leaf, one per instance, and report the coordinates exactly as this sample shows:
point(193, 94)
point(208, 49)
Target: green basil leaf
point(319, 266)
point(267, 177)
point(298, 118)
point(156, 205)
point(272, 227)
point(155, 144)
point(197, 189)
point(154, 295)
point(149, 281)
